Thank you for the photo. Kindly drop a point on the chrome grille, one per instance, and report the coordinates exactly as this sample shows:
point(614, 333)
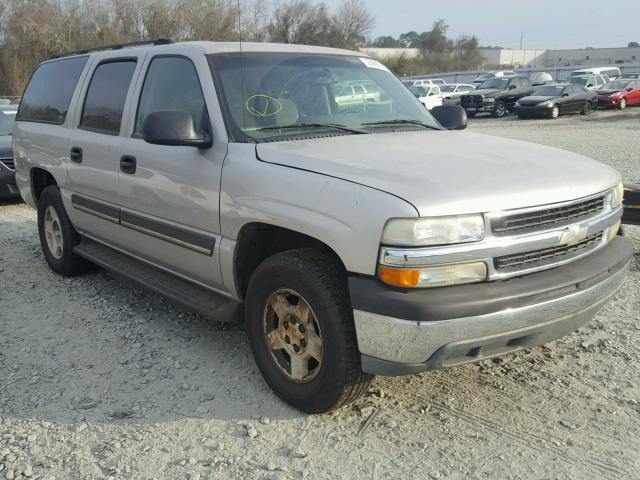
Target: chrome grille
point(538, 258)
point(8, 162)
point(547, 218)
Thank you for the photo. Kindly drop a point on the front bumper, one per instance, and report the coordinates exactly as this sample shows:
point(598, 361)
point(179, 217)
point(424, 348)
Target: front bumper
point(8, 187)
point(533, 111)
point(608, 102)
point(401, 332)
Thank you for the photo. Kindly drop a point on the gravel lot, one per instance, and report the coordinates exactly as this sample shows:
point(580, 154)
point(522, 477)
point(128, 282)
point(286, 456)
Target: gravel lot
point(99, 379)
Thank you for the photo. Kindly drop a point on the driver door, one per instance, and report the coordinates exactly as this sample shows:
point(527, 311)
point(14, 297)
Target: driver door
point(170, 194)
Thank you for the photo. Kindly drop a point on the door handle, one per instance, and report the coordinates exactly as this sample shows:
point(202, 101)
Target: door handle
point(76, 155)
point(128, 164)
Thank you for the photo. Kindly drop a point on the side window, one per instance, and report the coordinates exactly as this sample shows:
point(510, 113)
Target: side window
point(48, 95)
point(358, 89)
point(464, 88)
point(171, 84)
point(107, 92)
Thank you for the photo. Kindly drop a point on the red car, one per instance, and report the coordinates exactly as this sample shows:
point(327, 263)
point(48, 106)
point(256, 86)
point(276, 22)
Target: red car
point(619, 93)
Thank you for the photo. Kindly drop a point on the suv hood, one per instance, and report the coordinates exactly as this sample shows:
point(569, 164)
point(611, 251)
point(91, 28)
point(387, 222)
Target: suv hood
point(447, 172)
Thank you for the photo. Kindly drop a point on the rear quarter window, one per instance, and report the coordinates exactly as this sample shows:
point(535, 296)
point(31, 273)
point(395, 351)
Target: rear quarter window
point(48, 94)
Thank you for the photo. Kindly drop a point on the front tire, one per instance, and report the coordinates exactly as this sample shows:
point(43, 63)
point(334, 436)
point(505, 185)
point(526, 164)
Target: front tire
point(500, 110)
point(623, 103)
point(301, 331)
point(57, 235)
point(555, 112)
point(587, 108)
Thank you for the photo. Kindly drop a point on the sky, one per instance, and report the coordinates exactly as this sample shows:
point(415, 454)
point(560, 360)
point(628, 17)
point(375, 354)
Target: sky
point(554, 24)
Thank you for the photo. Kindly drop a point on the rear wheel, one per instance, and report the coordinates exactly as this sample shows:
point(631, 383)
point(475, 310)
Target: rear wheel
point(301, 331)
point(587, 108)
point(57, 235)
point(500, 110)
point(623, 103)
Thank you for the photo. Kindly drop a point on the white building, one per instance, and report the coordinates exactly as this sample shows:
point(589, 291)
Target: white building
point(534, 58)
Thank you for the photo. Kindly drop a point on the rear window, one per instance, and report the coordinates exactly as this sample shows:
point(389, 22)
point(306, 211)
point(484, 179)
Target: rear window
point(104, 103)
point(48, 95)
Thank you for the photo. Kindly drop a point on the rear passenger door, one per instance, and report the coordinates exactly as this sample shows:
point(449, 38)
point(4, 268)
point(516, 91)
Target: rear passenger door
point(170, 199)
point(94, 147)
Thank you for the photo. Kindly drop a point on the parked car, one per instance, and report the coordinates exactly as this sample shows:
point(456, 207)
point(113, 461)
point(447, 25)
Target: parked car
point(630, 75)
point(592, 82)
point(496, 96)
point(450, 89)
point(554, 100)
point(355, 96)
point(619, 93)
point(631, 215)
point(8, 187)
point(353, 244)
point(483, 77)
point(432, 97)
point(424, 82)
point(611, 72)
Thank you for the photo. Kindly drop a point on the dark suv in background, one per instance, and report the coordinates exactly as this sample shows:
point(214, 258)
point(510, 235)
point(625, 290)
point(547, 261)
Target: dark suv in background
point(8, 188)
point(496, 96)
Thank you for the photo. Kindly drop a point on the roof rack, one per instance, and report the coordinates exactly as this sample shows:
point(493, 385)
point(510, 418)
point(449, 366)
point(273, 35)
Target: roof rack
point(115, 46)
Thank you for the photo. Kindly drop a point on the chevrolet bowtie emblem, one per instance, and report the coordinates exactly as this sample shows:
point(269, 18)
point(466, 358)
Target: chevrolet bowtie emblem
point(574, 235)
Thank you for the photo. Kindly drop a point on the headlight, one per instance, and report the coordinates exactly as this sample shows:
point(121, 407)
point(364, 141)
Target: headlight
point(489, 100)
point(548, 103)
point(617, 196)
point(423, 232)
point(436, 276)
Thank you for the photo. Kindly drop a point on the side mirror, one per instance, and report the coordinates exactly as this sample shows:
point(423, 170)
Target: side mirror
point(512, 87)
point(565, 94)
point(175, 129)
point(451, 117)
point(630, 89)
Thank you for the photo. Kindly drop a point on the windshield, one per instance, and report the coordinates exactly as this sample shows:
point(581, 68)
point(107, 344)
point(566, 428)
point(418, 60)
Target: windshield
point(499, 83)
point(615, 85)
point(7, 121)
point(484, 76)
point(548, 91)
point(318, 93)
point(447, 88)
point(578, 80)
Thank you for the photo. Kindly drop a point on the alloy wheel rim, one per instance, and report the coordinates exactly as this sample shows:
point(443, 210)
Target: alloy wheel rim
point(292, 335)
point(53, 233)
point(623, 103)
point(500, 110)
point(555, 112)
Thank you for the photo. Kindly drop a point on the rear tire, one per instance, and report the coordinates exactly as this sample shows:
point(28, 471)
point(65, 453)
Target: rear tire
point(57, 235)
point(314, 378)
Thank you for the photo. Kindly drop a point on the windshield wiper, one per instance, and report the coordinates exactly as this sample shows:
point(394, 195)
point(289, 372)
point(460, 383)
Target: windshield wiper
point(335, 126)
point(401, 121)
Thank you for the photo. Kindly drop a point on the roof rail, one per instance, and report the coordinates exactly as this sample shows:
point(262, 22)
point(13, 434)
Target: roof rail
point(115, 46)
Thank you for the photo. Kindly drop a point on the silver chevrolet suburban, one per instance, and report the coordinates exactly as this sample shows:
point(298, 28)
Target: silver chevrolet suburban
point(356, 237)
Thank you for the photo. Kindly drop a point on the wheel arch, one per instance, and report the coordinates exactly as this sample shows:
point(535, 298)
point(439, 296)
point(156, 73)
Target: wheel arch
point(257, 241)
point(40, 179)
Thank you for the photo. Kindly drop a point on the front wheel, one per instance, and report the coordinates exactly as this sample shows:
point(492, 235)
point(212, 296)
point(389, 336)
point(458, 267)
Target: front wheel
point(587, 108)
point(500, 110)
point(623, 103)
point(57, 235)
point(555, 112)
point(301, 331)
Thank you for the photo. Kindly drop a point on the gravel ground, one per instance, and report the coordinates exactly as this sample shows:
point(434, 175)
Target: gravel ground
point(99, 379)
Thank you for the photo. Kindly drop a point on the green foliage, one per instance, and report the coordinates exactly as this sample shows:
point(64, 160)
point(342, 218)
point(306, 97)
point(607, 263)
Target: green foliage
point(633, 45)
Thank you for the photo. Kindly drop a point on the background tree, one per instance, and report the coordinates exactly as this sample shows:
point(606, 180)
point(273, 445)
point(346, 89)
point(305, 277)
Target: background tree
point(633, 45)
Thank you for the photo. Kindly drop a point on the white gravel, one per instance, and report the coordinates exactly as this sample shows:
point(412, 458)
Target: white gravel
point(99, 379)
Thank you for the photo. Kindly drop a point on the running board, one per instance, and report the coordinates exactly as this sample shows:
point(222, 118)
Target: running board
point(200, 300)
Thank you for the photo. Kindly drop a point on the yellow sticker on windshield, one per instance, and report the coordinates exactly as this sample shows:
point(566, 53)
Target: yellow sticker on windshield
point(261, 105)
